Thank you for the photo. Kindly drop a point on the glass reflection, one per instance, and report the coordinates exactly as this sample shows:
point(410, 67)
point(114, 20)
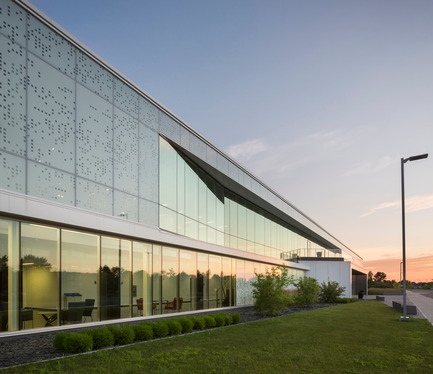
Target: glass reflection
point(141, 284)
point(202, 281)
point(170, 271)
point(215, 293)
point(79, 279)
point(115, 274)
point(40, 276)
point(188, 280)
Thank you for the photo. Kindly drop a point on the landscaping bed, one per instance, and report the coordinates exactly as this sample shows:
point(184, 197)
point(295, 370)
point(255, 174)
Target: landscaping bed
point(39, 347)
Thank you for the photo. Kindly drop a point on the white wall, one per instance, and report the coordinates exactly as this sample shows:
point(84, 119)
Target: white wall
point(338, 271)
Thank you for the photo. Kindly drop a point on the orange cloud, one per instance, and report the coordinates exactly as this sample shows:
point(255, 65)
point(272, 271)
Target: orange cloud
point(418, 269)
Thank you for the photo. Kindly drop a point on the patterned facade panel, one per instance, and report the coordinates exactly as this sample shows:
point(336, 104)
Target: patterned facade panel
point(94, 137)
point(94, 197)
point(51, 47)
point(125, 206)
point(125, 98)
point(148, 114)
point(51, 107)
point(184, 137)
point(169, 127)
point(148, 165)
point(50, 184)
point(149, 213)
point(13, 172)
point(197, 147)
point(12, 97)
point(125, 152)
point(13, 22)
point(94, 77)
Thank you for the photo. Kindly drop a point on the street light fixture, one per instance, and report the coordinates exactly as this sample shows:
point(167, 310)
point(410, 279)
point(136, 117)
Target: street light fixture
point(403, 161)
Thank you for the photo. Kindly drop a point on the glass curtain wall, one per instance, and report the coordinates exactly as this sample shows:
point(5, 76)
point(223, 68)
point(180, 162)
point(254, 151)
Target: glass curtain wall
point(188, 280)
point(194, 204)
point(170, 276)
point(9, 276)
point(40, 253)
point(104, 278)
point(141, 279)
point(115, 278)
point(79, 277)
point(202, 281)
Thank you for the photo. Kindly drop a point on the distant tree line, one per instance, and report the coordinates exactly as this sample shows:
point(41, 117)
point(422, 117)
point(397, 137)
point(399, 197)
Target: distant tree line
point(379, 280)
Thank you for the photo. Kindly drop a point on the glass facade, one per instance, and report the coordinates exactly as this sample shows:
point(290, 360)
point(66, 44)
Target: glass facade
point(53, 276)
point(194, 204)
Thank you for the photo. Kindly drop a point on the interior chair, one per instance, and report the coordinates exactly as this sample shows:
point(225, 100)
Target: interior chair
point(75, 312)
point(172, 305)
point(88, 310)
point(140, 306)
point(26, 315)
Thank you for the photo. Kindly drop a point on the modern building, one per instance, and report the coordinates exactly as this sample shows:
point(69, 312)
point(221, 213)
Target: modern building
point(113, 208)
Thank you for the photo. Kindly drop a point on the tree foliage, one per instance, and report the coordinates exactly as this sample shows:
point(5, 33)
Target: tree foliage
point(330, 292)
point(380, 276)
point(269, 291)
point(308, 291)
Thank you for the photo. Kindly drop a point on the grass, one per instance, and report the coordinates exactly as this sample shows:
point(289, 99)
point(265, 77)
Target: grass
point(362, 337)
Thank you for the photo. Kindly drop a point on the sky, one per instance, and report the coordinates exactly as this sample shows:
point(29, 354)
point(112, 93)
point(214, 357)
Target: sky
point(318, 99)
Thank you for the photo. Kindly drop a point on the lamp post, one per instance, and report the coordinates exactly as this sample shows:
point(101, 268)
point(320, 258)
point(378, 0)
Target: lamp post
point(403, 161)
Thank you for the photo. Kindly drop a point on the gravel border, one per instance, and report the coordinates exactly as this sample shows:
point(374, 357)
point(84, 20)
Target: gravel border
point(27, 349)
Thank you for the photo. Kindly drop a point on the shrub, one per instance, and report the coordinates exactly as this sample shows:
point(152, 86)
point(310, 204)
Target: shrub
point(199, 322)
point(187, 324)
point(143, 331)
point(174, 326)
point(229, 319)
point(122, 334)
point(76, 342)
point(330, 292)
point(308, 291)
point(220, 319)
point(209, 321)
point(58, 342)
point(269, 291)
point(101, 337)
point(160, 329)
point(236, 318)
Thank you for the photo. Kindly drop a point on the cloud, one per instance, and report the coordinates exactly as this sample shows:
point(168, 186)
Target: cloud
point(413, 204)
point(372, 166)
point(247, 150)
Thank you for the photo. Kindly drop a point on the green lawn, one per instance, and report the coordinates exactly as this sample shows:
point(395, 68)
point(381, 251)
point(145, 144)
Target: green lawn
point(361, 337)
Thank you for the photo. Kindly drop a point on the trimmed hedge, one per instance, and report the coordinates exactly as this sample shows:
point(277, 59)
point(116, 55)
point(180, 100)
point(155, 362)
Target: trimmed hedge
point(78, 342)
point(122, 334)
point(160, 329)
point(101, 337)
point(236, 318)
point(174, 327)
point(187, 324)
point(220, 319)
point(143, 331)
point(209, 321)
point(199, 322)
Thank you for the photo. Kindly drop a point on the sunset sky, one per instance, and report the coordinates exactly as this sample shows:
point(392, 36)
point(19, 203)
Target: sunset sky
point(319, 99)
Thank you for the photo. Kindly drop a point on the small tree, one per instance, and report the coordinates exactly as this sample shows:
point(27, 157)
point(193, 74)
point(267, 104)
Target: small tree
point(330, 292)
point(308, 291)
point(380, 276)
point(269, 291)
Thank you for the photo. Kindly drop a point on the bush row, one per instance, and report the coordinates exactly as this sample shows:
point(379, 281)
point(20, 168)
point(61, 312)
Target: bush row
point(92, 339)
